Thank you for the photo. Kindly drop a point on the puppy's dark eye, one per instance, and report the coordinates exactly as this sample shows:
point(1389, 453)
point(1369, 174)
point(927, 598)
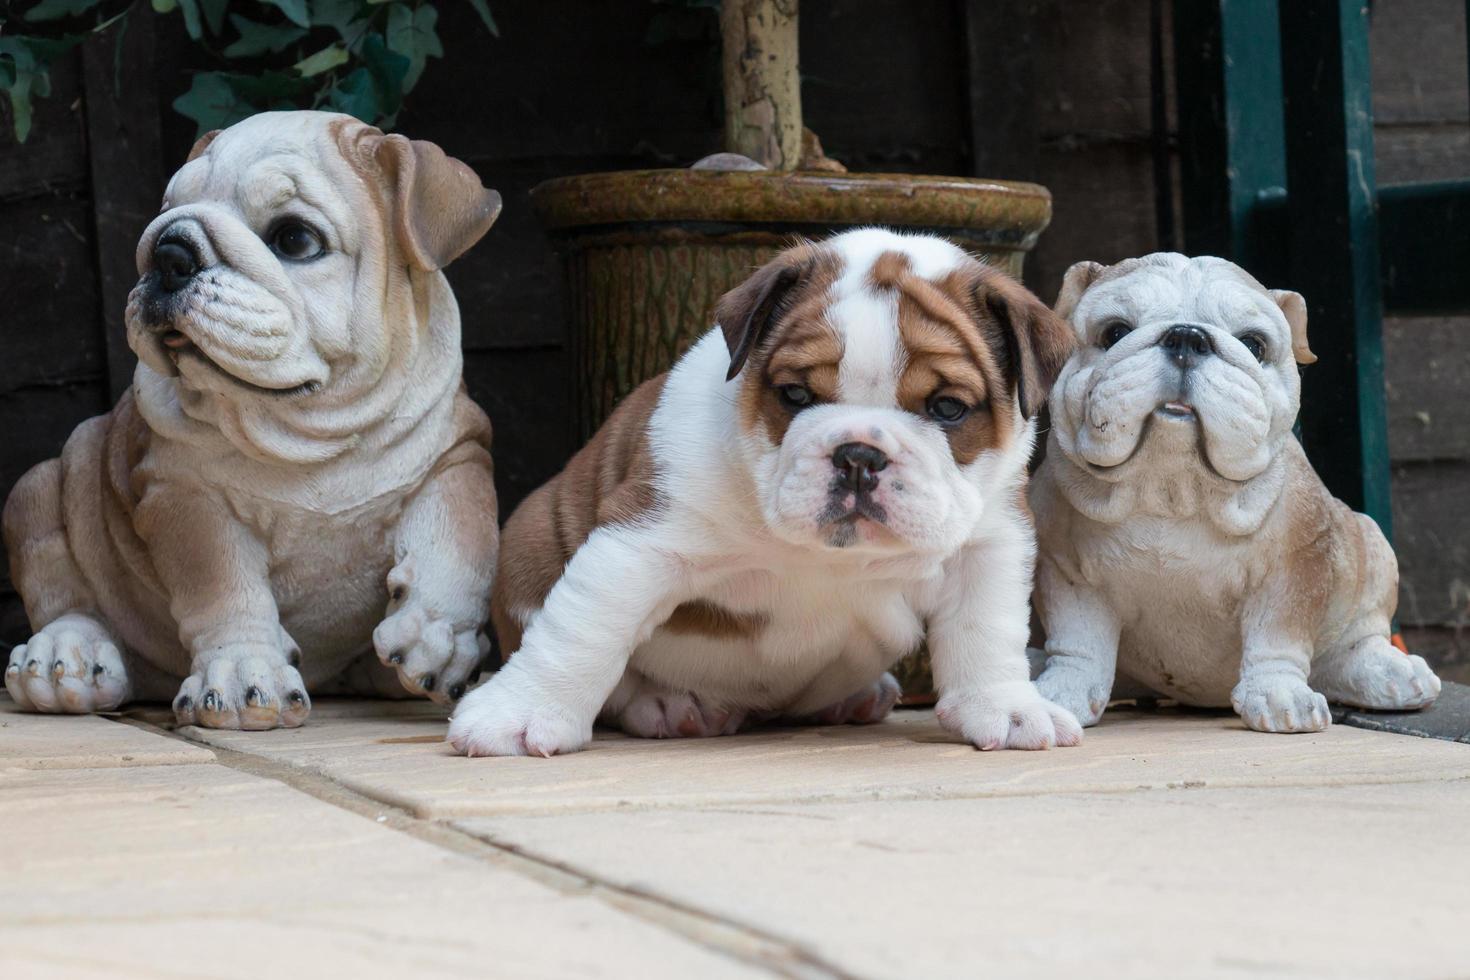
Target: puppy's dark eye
point(295, 241)
point(795, 397)
point(1256, 344)
point(1112, 333)
point(947, 410)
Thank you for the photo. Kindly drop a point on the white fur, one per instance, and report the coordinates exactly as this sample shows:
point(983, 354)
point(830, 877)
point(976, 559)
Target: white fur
point(740, 526)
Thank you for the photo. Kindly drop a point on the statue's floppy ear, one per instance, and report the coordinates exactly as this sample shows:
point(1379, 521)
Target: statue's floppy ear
point(1036, 341)
point(202, 144)
point(1295, 307)
point(746, 313)
point(440, 208)
point(1080, 276)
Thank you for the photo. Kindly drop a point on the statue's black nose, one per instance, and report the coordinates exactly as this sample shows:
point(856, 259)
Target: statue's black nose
point(858, 465)
point(1186, 343)
point(176, 263)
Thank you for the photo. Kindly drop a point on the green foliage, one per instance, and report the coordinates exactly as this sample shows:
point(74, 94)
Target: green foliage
point(355, 56)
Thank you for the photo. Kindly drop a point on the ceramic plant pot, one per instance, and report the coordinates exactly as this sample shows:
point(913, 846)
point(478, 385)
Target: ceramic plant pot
point(647, 254)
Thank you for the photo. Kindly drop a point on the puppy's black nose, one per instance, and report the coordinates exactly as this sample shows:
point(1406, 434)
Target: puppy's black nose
point(176, 264)
point(858, 464)
point(1186, 343)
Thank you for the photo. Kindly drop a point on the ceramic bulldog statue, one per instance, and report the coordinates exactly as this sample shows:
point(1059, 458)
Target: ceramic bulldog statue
point(296, 476)
point(834, 472)
point(1185, 541)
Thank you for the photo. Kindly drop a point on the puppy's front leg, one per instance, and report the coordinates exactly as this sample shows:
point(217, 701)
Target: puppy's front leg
point(977, 642)
point(439, 587)
point(1081, 643)
point(575, 649)
point(242, 671)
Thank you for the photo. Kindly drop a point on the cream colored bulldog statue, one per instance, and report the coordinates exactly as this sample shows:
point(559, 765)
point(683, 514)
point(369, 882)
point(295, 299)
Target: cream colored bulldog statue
point(297, 476)
point(1185, 541)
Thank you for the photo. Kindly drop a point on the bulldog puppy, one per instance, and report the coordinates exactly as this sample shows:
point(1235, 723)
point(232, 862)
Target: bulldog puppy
point(296, 455)
point(1185, 540)
point(837, 467)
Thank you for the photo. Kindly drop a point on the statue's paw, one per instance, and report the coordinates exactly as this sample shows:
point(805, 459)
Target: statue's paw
point(1279, 702)
point(1377, 675)
point(251, 689)
point(72, 666)
point(433, 653)
point(1075, 688)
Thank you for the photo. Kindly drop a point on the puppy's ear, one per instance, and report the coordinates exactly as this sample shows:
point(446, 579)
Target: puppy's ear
point(440, 208)
point(202, 144)
point(1074, 284)
point(1295, 308)
point(1035, 341)
point(747, 312)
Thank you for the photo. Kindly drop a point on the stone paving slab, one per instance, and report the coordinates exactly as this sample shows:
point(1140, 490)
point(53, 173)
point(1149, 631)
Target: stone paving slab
point(1365, 881)
point(401, 759)
point(207, 871)
point(31, 741)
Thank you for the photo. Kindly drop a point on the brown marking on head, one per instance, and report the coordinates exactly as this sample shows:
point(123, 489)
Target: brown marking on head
point(704, 618)
point(201, 144)
point(436, 205)
point(783, 336)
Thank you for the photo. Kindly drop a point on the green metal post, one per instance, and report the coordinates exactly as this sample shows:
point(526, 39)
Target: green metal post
point(1333, 221)
point(1227, 69)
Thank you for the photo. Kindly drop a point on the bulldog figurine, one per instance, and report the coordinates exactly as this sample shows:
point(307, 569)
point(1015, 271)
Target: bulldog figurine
point(296, 463)
point(835, 470)
point(1184, 540)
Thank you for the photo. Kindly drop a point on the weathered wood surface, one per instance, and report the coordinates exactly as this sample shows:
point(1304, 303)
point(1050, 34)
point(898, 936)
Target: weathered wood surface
point(1419, 62)
point(1427, 374)
point(1433, 549)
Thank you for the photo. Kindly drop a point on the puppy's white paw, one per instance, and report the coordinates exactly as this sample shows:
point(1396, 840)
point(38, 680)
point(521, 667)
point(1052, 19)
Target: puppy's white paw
point(1377, 675)
point(251, 688)
point(1072, 685)
point(1279, 702)
point(661, 714)
point(72, 666)
point(1012, 715)
point(433, 653)
point(508, 716)
point(866, 707)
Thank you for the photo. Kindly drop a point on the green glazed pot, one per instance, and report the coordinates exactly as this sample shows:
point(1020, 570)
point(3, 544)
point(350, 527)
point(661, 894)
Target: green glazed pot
point(648, 253)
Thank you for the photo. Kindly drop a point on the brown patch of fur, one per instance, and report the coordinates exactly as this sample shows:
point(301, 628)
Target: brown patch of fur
point(799, 347)
point(610, 481)
point(707, 619)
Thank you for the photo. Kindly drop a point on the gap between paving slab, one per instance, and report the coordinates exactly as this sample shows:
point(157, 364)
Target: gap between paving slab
point(748, 944)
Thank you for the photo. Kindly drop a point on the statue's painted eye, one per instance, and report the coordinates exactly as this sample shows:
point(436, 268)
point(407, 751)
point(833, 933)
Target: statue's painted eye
point(295, 241)
point(1256, 344)
point(948, 410)
point(1112, 333)
point(795, 397)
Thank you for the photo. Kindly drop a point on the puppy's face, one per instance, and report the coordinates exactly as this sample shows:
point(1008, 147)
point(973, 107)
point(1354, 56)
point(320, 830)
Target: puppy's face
point(267, 274)
point(885, 386)
point(1180, 362)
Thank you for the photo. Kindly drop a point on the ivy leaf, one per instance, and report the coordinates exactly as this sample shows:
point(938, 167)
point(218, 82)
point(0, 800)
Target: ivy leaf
point(412, 34)
point(212, 102)
point(26, 61)
point(332, 56)
point(214, 14)
point(256, 39)
point(192, 23)
point(340, 15)
point(295, 11)
point(483, 9)
point(387, 69)
point(58, 9)
point(165, 6)
point(356, 95)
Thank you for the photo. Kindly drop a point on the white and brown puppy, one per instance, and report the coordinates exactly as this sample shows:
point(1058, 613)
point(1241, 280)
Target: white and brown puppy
point(836, 468)
point(296, 463)
point(1185, 540)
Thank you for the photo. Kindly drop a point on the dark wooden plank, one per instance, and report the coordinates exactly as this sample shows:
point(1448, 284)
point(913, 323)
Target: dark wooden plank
point(1427, 152)
point(1091, 69)
point(1424, 240)
point(48, 292)
point(127, 170)
point(1430, 524)
point(1447, 648)
point(54, 156)
point(1000, 71)
point(1419, 54)
point(1427, 376)
point(527, 394)
point(1334, 245)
